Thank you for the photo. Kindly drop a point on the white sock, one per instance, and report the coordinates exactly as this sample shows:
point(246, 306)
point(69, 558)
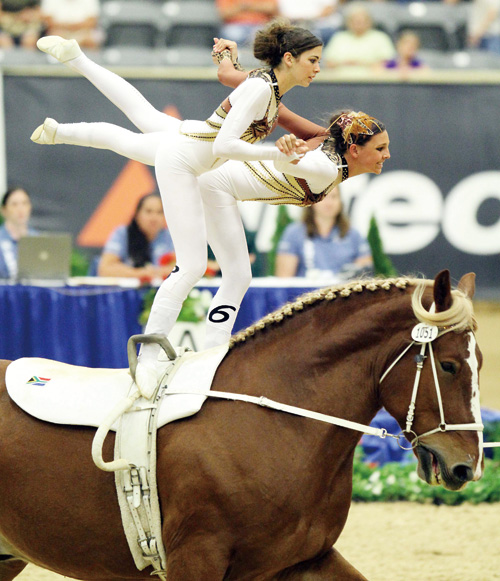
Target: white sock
point(163, 316)
point(220, 322)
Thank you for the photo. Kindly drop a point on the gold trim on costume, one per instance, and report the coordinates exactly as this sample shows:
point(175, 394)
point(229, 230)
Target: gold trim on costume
point(288, 191)
point(257, 130)
point(291, 190)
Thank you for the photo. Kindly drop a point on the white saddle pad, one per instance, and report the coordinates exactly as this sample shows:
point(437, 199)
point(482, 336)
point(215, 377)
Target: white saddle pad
point(69, 394)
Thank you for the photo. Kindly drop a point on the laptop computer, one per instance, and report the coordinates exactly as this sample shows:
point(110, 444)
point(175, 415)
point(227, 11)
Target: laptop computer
point(45, 258)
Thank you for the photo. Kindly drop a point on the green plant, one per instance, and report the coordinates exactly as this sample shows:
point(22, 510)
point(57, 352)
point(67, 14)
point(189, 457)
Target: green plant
point(382, 264)
point(396, 482)
point(79, 263)
point(282, 222)
point(194, 308)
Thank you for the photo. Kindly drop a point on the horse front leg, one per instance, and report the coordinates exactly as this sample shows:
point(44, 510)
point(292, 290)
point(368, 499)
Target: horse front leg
point(329, 567)
point(10, 567)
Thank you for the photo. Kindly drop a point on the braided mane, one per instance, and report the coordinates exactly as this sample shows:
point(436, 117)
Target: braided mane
point(460, 314)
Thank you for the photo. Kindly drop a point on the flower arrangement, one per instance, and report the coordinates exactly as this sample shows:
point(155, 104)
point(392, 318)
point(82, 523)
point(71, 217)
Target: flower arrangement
point(194, 309)
point(397, 481)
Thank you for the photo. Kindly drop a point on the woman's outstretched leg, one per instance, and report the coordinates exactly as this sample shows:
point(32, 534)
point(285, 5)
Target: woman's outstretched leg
point(137, 146)
point(119, 91)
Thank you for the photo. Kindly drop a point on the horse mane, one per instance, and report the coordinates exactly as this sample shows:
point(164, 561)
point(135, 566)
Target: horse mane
point(460, 315)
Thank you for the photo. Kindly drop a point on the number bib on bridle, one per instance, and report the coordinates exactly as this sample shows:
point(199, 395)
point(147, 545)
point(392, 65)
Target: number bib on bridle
point(423, 334)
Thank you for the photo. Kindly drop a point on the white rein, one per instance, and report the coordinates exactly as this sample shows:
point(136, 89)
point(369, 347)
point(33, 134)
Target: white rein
point(426, 334)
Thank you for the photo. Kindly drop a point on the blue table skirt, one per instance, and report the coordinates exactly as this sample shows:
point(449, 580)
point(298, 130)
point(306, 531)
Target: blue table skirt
point(90, 326)
point(87, 327)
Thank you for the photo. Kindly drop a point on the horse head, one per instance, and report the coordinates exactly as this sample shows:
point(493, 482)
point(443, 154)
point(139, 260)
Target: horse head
point(438, 406)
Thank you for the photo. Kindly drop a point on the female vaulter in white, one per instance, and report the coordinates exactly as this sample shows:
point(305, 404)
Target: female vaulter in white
point(356, 144)
point(183, 150)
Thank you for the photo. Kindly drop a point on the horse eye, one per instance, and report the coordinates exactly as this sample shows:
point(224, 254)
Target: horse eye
point(448, 367)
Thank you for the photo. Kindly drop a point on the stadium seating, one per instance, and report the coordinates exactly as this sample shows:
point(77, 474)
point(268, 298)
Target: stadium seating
point(133, 23)
point(190, 23)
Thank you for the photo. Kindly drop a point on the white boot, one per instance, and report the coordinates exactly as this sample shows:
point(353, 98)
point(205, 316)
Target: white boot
point(45, 134)
point(61, 49)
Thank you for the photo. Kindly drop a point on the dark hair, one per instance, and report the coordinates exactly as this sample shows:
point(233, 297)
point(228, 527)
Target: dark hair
point(139, 249)
point(363, 128)
point(9, 192)
point(341, 221)
point(279, 37)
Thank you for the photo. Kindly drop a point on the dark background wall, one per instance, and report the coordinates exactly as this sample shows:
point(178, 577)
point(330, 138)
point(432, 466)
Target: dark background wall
point(437, 202)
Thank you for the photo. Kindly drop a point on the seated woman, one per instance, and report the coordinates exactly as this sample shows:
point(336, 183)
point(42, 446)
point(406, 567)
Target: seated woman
point(143, 249)
point(323, 244)
point(407, 61)
point(16, 212)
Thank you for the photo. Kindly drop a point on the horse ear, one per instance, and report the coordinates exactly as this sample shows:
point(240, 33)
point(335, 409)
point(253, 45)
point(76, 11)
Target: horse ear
point(467, 284)
point(442, 291)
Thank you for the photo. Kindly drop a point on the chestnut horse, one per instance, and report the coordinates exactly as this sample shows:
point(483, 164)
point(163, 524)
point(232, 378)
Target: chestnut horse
point(250, 493)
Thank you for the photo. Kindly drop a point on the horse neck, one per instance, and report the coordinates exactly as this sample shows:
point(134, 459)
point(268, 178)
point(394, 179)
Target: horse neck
point(329, 358)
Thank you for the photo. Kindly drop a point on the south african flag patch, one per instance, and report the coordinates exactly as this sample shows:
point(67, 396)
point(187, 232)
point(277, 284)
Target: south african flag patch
point(38, 381)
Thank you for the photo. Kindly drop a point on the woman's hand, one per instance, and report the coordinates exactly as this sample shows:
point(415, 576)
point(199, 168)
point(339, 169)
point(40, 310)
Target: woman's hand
point(290, 144)
point(221, 44)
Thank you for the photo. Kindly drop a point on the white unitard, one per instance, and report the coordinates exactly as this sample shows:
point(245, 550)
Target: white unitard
point(180, 152)
point(256, 181)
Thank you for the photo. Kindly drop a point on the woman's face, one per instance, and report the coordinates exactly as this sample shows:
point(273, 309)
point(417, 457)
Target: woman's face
point(17, 210)
point(408, 46)
point(150, 217)
point(306, 66)
point(374, 153)
point(330, 206)
point(359, 22)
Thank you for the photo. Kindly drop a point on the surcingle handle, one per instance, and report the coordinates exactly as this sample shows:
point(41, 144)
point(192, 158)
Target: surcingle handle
point(160, 340)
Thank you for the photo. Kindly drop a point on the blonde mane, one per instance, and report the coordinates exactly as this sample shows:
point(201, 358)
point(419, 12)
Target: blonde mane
point(460, 314)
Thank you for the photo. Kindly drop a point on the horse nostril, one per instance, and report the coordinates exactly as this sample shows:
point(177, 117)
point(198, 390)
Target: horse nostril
point(462, 472)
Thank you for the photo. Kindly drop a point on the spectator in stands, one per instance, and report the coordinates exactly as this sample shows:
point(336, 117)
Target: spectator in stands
point(21, 23)
point(242, 18)
point(360, 48)
point(78, 19)
point(323, 244)
point(406, 61)
point(483, 27)
point(16, 212)
point(143, 249)
point(320, 16)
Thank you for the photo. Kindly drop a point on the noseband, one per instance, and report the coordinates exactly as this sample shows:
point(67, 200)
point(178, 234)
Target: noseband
point(424, 335)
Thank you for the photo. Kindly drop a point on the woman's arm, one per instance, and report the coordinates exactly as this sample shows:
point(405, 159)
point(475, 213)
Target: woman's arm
point(314, 167)
point(111, 265)
point(286, 265)
point(249, 102)
point(299, 126)
point(225, 56)
point(363, 261)
point(228, 75)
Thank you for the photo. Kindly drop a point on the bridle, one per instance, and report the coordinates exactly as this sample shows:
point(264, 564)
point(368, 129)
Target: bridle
point(424, 335)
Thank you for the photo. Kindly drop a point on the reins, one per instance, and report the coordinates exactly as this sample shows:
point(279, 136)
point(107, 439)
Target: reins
point(290, 409)
point(423, 335)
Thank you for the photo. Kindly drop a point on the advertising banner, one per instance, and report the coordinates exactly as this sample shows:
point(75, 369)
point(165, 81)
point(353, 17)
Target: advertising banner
point(437, 201)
